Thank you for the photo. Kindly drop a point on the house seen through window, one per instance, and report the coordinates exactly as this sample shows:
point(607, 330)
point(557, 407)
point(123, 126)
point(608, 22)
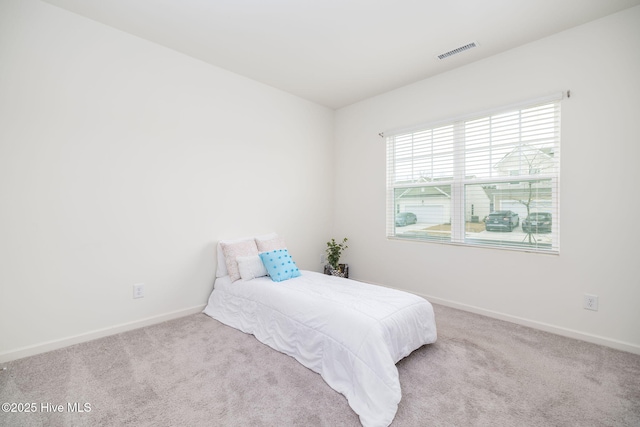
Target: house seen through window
point(489, 180)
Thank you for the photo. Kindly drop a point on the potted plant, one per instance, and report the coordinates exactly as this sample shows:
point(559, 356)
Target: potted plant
point(334, 250)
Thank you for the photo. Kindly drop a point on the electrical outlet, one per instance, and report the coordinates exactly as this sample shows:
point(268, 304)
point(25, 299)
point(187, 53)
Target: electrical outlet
point(322, 258)
point(591, 302)
point(138, 290)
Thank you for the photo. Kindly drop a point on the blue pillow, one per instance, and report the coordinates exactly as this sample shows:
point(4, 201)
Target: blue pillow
point(280, 265)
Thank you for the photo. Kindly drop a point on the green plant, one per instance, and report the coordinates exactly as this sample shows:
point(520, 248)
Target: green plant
point(334, 250)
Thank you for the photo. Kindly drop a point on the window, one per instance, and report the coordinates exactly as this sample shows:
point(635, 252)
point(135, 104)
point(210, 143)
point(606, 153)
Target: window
point(486, 180)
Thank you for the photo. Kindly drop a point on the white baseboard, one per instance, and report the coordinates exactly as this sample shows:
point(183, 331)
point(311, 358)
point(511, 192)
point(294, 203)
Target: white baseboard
point(565, 332)
point(92, 335)
point(65, 342)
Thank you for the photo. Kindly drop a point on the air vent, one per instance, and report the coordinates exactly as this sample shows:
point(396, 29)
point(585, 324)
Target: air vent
point(457, 50)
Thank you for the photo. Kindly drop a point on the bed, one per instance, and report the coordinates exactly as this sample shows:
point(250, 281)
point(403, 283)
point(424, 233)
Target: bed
point(349, 332)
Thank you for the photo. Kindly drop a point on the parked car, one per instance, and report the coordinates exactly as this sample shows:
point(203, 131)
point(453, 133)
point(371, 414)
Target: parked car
point(502, 220)
point(405, 218)
point(537, 222)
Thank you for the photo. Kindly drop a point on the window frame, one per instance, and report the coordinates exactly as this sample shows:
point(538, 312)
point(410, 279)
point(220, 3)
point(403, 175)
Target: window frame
point(460, 182)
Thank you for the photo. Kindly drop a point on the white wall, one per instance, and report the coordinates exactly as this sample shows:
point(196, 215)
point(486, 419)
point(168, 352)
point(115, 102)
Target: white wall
point(124, 162)
point(600, 63)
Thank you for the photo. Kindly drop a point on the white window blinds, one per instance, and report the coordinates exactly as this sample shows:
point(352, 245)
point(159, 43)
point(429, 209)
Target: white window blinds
point(490, 179)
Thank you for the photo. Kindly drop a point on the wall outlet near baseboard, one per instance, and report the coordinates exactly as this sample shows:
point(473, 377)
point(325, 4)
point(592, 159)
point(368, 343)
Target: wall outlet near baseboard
point(138, 290)
point(591, 302)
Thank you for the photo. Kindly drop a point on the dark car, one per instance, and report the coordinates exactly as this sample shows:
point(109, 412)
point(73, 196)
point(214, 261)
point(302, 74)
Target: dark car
point(537, 222)
point(405, 218)
point(501, 221)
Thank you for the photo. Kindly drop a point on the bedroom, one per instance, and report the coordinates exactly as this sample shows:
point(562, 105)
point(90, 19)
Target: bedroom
point(123, 162)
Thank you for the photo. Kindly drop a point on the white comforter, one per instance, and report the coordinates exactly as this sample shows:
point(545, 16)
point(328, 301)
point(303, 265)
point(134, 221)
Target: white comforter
point(349, 332)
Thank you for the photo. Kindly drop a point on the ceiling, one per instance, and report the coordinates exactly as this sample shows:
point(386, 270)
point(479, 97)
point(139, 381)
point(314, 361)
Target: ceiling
point(337, 52)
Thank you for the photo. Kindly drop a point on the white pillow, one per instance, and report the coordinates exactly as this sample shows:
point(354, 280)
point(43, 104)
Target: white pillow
point(234, 250)
point(267, 245)
point(251, 267)
point(221, 268)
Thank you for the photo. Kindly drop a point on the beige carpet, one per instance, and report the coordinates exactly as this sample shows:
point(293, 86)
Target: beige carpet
point(195, 371)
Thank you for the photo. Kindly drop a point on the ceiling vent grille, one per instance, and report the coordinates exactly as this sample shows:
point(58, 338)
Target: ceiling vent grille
point(457, 50)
